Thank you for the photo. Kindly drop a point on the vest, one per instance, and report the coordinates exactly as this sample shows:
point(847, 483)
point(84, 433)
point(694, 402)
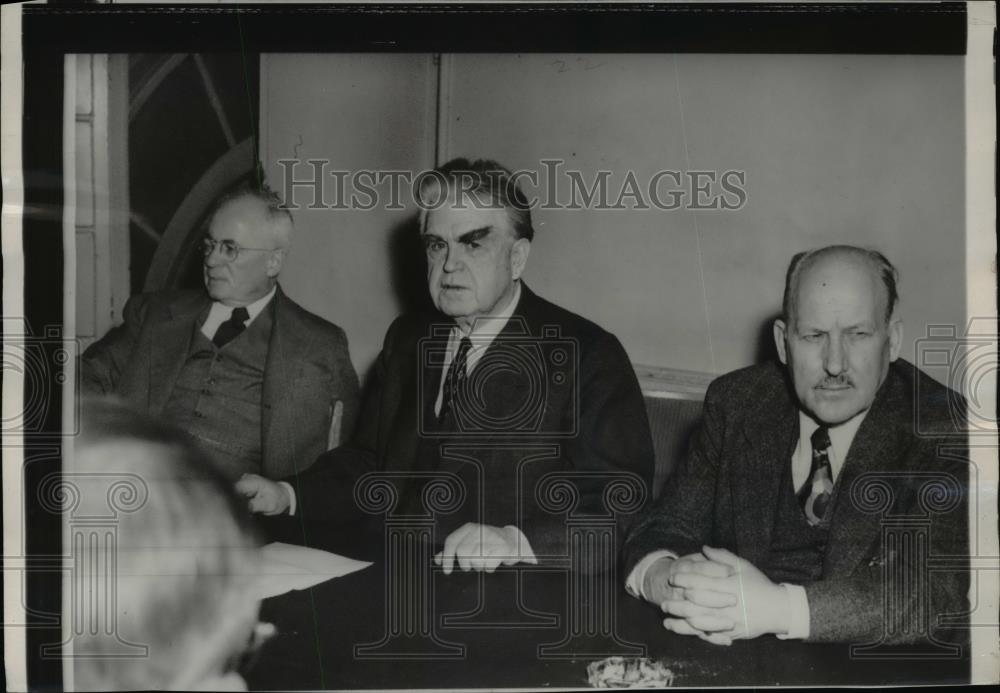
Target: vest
point(217, 396)
point(797, 548)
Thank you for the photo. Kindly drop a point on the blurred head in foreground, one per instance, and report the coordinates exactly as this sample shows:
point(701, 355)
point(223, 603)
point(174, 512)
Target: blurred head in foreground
point(180, 555)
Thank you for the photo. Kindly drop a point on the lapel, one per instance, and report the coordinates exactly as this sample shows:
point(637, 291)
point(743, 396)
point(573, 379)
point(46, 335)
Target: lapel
point(879, 446)
point(286, 347)
point(769, 435)
point(409, 435)
point(169, 345)
point(502, 388)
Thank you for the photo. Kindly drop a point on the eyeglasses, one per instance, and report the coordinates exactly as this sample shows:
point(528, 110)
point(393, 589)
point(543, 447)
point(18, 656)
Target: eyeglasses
point(230, 250)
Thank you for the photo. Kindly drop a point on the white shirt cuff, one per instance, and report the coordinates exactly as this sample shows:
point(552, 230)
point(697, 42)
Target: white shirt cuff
point(292, 505)
point(633, 583)
point(524, 552)
point(798, 613)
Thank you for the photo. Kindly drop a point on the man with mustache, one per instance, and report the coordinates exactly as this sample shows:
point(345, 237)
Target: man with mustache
point(767, 527)
point(498, 387)
point(258, 381)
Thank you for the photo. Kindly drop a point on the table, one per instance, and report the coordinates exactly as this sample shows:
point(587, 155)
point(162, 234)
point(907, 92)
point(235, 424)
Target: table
point(329, 635)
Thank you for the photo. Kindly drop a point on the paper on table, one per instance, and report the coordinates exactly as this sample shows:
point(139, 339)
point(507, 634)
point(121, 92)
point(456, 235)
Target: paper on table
point(285, 567)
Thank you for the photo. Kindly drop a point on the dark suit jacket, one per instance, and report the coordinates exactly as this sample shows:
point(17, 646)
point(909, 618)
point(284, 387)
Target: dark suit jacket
point(725, 493)
point(308, 370)
point(583, 413)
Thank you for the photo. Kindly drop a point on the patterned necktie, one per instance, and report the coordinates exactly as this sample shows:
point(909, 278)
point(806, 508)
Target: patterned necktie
point(232, 327)
point(455, 377)
point(815, 495)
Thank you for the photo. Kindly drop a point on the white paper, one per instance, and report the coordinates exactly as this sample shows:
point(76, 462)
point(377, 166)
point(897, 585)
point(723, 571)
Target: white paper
point(286, 567)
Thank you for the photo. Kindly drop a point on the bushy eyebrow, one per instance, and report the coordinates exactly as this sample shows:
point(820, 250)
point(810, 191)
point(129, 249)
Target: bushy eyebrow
point(475, 235)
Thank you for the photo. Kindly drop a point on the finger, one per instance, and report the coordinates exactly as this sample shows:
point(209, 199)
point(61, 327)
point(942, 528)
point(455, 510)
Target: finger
point(450, 547)
point(694, 581)
point(683, 608)
point(491, 564)
point(680, 626)
point(438, 558)
point(467, 549)
point(256, 504)
point(711, 569)
point(703, 597)
point(717, 639)
point(721, 556)
point(710, 623)
point(673, 594)
point(247, 485)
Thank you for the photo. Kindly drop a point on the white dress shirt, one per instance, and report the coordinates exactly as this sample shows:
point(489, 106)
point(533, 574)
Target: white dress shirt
point(841, 437)
point(219, 313)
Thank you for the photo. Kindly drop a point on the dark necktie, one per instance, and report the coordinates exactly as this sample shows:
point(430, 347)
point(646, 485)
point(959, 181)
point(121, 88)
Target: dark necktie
point(232, 327)
point(815, 495)
point(455, 377)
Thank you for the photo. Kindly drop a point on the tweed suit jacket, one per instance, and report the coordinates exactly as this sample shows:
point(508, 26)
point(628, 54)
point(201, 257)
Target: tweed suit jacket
point(308, 370)
point(725, 493)
point(585, 414)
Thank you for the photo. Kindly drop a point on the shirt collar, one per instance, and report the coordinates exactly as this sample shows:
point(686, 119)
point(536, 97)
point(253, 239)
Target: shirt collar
point(254, 309)
point(490, 326)
point(220, 312)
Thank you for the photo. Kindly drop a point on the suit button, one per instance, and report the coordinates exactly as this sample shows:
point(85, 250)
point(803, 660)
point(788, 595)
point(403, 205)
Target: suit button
point(199, 415)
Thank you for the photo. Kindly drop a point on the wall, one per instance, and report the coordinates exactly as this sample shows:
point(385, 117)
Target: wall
point(854, 149)
point(359, 112)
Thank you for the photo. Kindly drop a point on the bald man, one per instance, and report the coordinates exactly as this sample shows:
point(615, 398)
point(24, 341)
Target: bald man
point(774, 522)
point(262, 384)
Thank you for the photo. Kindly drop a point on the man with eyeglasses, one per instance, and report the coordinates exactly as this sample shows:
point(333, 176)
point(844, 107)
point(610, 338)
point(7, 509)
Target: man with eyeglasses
point(262, 384)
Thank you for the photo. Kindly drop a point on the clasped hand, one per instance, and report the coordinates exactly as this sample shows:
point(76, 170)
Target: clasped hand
point(717, 596)
point(263, 495)
point(476, 546)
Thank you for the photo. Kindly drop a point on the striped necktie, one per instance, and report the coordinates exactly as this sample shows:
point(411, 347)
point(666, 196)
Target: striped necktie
point(455, 377)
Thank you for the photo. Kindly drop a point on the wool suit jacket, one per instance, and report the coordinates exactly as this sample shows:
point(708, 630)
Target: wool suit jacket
point(308, 370)
point(725, 493)
point(557, 395)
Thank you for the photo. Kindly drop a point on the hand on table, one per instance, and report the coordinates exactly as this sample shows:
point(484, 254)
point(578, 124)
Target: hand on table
point(263, 495)
point(696, 613)
point(483, 547)
point(721, 607)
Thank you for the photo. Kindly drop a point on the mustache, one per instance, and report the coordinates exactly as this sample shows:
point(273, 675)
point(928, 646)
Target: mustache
point(836, 381)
